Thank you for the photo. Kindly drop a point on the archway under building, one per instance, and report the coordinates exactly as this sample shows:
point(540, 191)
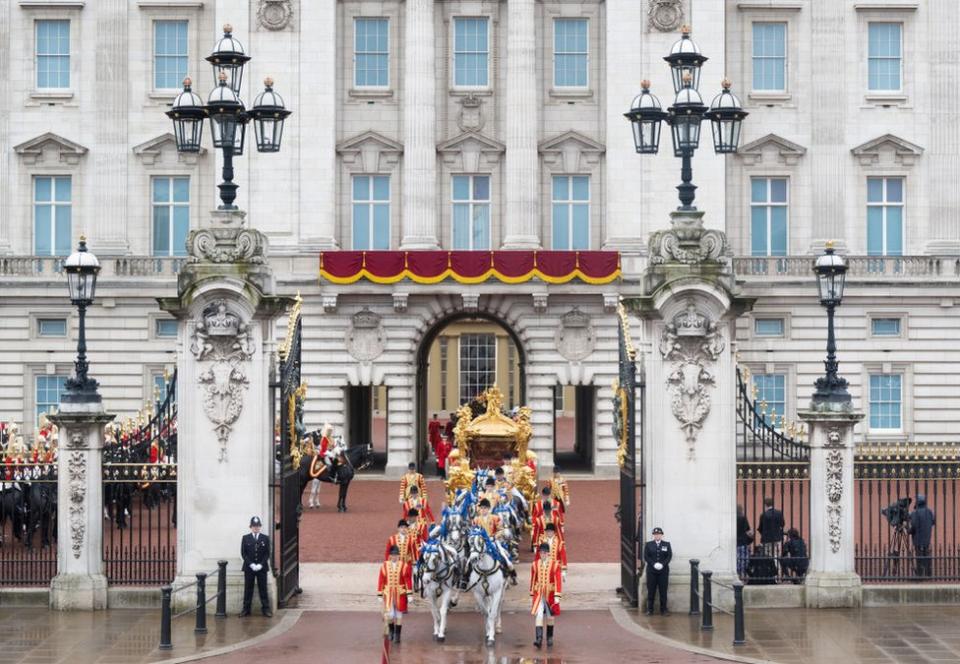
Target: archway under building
point(574, 426)
point(459, 357)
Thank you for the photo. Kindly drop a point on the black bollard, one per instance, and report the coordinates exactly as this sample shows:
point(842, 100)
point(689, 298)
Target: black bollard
point(739, 638)
point(694, 587)
point(165, 594)
point(221, 589)
point(706, 622)
point(201, 627)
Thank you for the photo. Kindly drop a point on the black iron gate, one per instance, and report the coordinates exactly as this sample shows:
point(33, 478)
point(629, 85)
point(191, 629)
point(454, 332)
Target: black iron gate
point(287, 466)
point(625, 430)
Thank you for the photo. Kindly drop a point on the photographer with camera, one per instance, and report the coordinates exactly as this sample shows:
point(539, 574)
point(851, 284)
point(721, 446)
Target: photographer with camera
point(922, 521)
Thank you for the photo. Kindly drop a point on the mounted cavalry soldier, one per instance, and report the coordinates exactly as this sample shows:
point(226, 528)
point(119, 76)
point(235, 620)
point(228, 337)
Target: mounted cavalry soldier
point(489, 526)
point(546, 587)
point(404, 541)
point(412, 479)
point(394, 586)
point(255, 552)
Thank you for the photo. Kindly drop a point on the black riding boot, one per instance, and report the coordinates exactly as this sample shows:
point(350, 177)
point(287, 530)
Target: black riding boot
point(397, 638)
point(392, 630)
point(549, 636)
point(538, 642)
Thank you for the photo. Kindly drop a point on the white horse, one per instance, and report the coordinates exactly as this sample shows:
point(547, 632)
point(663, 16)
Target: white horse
point(455, 538)
point(438, 569)
point(488, 583)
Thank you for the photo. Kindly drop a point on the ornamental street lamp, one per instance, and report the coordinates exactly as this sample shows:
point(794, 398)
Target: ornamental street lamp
point(685, 115)
point(82, 268)
point(227, 114)
point(831, 272)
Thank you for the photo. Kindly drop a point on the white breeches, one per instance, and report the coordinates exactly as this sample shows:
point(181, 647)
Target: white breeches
point(542, 614)
point(392, 616)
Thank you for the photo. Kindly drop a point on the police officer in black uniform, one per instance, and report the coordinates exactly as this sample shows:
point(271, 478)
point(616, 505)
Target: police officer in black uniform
point(657, 554)
point(255, 551)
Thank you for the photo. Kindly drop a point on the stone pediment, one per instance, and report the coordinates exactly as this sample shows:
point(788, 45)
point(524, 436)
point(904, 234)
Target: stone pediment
point(471, 151)
point(887, 149)
point(370, 152)
point(776, 147)
point(47, 146)
point(159, 150)
point(571, 152)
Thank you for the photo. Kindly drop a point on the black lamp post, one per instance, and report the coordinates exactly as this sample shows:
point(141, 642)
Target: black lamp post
point(227, 114)
point(831, 272)
point(82, 268)
point(685, 115)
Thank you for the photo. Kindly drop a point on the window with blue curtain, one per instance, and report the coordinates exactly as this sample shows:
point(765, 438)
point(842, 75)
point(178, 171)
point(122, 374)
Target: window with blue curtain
point(571, 212)
point(770, 57)
point(885, 216)
point(169, 54)
point(49, 389)
point(171, 215)
point(371, 53)
point(165, 327)
point(471, 51)
point(769, 327)
point(53, 54)
point(371, 212)
point(885, 327)
point(471, 211)
point(885, 56)
point(158, 390)
point(886, 402)
point(772, 389)
point(570, 51)
point(768, 216)
point(52, 223)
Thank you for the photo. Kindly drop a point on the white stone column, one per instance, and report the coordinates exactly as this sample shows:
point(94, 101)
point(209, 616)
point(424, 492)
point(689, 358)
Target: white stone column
point(521, 209)
point(419, 209)
point(80, 583)
point(6, 153)
point(832, 580)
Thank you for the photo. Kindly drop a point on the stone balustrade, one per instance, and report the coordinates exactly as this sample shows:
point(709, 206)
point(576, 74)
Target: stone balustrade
point(862, 268)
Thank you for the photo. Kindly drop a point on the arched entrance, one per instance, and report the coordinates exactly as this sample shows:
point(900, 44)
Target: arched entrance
point(456, 356)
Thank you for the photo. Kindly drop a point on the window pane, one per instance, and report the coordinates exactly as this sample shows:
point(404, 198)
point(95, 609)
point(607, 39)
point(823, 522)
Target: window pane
point(161, 230)
point(561, 229)
point(561, 189)
point(161, 190)
point(581, 227)
point(581, 188)
point(181, 190)
point(894, 190)
point(170, 53)
point(758, 230)
point(470, 51)
point(778, 190)
point(894, 231)
point(181, 227)
point(758, 190)
point(461, 226)
point(461, 187)
point(53, 54)
point(885, 327)
point(381, 227)
point(874, 190)
point(361, 188)
point(166, 328)
point(42, 230)
point(381, 188)
point(52, 327)
point(361, 226)
point(42, 189)
point(768, 327)
point(62, 189)
point(62, 242)
point(875, 231)
point(481, 188)
point(481, 227)
point(778, 230)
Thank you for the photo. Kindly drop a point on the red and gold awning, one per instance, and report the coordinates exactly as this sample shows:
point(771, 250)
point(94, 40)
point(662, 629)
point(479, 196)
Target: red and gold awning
point(469, 267)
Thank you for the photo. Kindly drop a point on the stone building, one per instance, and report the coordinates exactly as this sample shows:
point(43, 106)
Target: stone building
point(488, 125)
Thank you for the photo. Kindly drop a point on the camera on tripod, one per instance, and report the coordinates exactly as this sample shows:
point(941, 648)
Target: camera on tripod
point(898, 513)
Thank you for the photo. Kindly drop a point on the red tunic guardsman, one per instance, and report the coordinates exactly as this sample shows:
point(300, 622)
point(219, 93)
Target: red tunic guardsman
point(547, 516)
point(418, 528)
point(558, 548)
point(405, 541)
point(560, 490)
point(546, 588)
point(434, 428)
point(417, 502)
point(546, 496)
point(412, 479)
point(394, 586)
point(154, 452)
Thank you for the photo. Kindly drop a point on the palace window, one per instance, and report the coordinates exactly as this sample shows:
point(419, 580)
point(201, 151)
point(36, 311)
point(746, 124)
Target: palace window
point(371, 212)
point(49, 389)
point(171, 215)
point(570, 52)
point(478, 365)
point(52, 215)
point(885, 216)
point(371, 53)
point(886, 402)
point(768, 327)
point(558, 398)
point(772, 389)
point(885, 327)
point(768, 216)
point(444, 353)
point(169, 54)
point(471, 211)
point(571, 212)
point(885, 57)
point(52, 327)
point(165, 327)
point(53, 55)
point(158, 387)
point(770, 57)
point(471, 51)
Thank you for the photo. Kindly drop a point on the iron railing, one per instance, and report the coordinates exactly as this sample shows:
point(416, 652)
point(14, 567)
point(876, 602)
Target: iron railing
point(28, 524)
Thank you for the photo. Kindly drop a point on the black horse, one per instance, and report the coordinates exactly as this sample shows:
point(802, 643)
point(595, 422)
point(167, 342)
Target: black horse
point(341, 472)
point(13, 507)
point(41, 512)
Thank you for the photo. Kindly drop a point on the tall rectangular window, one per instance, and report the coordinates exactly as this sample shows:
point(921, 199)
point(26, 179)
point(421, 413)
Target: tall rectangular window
point(49, 389)
point(52, 215)
point(558, 398)
point(171, 215)
point(471, 211)
point(886, 402)
point(371, 212)
point(570, 52)
point(772, 391)
point(53, 54)
point(158, 385)
point(169, 54)
point(478, 364)
point(444, 353)
point(885, 57)
point(885, 216)
point(571, 212)
point(770, 57)
point(768, 216)
point(471, 51)
point(511, 374)
point(371, 53)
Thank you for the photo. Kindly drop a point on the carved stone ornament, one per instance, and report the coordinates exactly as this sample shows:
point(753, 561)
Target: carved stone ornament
point(575, 338)
point(470, 117)
point(226, 240)
point(665, 15)
point(365, 337)
point(834, 487)
point(687, 241)
point(221, 338)
point(77, 473)
point(690, 341)
point(274, 14)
